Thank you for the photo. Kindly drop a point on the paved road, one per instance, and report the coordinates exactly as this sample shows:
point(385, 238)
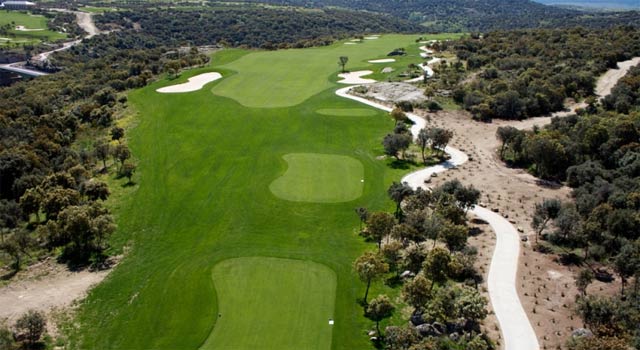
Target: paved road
point(517, 332)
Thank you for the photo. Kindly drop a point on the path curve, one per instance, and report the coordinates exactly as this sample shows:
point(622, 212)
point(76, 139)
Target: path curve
point(517, 332)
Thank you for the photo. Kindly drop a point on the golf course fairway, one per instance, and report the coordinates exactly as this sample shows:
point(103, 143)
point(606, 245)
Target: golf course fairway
point(203, 200)
point(319, 178)
point(279, 289)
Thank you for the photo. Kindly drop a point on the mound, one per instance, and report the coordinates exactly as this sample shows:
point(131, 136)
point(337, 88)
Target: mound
point(319, 178)
point(271, 303)
point(347, 112)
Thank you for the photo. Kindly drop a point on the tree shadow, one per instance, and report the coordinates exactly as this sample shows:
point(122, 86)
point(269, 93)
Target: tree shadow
point(128, 184)
point(393, 281)
point(400, 164)
point(554, 185)
point(9, 275)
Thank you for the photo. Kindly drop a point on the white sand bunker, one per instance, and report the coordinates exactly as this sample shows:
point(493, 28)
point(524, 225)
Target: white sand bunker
point(355, 77)
point(384, 60)
point(349, 43)
point(25, 29)
point(194, 84)
point(426, 52)
point(373, 37)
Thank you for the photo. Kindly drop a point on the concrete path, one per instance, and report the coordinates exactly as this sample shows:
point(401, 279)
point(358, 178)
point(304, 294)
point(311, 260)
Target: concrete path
point(517, 332)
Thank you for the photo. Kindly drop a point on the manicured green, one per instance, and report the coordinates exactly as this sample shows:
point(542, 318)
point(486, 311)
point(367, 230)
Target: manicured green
point(347, 112)
point(270, 293)
point(95, 9)
point(319, 178)
point(29, 21)
point(271, 79)
point(205, 165)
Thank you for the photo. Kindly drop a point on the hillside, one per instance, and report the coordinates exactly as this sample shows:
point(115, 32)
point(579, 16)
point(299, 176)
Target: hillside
point(595, 4)
point(472, 15)
point(267, 28)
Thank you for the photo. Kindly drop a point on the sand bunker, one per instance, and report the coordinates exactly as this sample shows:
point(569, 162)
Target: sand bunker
point(194, 84)
point(355, 77)
point(384, 60)
point(25, 29)
point(426, 52)
point(373, 37)
point(350, 43)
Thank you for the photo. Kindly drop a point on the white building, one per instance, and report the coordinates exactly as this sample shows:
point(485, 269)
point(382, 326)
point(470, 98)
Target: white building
point(17, 5)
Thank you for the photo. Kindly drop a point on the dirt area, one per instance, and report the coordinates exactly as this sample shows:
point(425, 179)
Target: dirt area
point(608, 80)
point(395, 92)
point(46, 286)
point(85, 21)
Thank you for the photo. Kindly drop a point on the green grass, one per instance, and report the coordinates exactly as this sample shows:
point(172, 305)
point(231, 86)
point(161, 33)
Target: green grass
point(273, 292)
point(347, 112)
point(95, 9)
point(205, 164)
point(270, 79)
point(319, 178)
point(16, 18)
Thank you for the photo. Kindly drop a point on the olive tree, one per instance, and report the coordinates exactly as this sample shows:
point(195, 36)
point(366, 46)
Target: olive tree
point(370, 266)
point(379, 309)
point(32, 325)
point(342, 62)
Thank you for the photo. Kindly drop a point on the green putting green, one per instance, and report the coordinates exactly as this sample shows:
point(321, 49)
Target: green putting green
point(271, 303)
point(347, 112)
point(319, 178)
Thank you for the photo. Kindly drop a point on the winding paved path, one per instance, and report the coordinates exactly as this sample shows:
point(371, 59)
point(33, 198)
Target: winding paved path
point(516, 329)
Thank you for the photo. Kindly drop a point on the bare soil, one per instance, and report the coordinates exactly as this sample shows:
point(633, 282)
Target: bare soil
point(45, 286)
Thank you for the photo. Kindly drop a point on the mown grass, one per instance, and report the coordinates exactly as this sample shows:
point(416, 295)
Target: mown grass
point(29, 21)
point(205, 165)
point(289, 77)
point(319, 178)
point(270, 303)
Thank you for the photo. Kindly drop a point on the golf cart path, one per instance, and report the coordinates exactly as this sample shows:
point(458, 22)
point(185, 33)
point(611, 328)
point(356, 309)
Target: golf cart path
point(516, 329)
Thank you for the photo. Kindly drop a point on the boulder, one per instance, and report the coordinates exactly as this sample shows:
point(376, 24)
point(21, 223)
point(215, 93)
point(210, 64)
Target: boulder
point(454, 336)
point(425, 330)
point(407, 274)
point(582, 333)
point(417, 320)
point(439, 328)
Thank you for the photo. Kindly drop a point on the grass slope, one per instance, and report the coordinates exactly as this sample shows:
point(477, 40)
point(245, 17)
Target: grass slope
point(261, 301)
point(319, 178)
point(205, 166)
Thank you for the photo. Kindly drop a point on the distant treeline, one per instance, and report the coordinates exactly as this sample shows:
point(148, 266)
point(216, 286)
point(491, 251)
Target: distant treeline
point(253, 27)
point(471, 15)
point(528, 73)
